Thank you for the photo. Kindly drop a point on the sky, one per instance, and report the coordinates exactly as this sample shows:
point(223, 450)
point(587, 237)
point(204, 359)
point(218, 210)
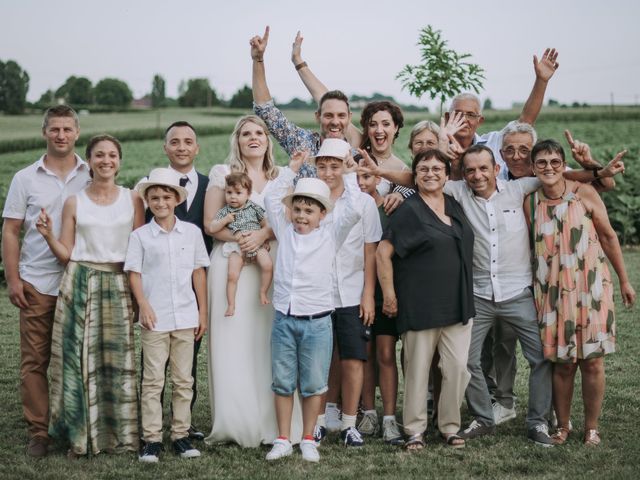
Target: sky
point(355, 46)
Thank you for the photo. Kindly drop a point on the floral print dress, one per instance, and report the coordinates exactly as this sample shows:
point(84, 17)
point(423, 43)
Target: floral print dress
point(572, 283)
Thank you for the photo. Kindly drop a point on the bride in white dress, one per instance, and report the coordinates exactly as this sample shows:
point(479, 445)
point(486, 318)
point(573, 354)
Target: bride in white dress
point(242, 403)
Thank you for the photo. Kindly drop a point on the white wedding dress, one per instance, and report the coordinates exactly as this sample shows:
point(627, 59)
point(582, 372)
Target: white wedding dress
point(242, 402)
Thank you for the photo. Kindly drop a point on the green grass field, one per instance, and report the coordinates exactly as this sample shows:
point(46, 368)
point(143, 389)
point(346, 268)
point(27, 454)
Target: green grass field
point(605, 135)
point(506, 455)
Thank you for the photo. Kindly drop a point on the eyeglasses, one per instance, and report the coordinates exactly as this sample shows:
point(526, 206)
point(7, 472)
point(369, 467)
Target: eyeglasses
point(468, 115)
point(510, 152)
point(425, 170)
point(542, 163)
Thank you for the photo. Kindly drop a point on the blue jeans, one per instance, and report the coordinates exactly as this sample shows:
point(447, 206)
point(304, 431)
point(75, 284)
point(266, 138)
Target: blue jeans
point(300, 354)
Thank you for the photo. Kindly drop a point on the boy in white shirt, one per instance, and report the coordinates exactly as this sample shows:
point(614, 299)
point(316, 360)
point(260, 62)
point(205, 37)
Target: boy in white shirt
point(166, 260)
point(301, 338)
point(354, 282)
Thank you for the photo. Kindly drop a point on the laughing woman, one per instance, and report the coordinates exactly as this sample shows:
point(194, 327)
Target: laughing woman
point(572, 285)
point(93, 375)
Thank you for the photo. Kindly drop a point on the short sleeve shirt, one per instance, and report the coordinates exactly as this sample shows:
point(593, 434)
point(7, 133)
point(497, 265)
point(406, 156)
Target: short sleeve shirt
point(33, 188)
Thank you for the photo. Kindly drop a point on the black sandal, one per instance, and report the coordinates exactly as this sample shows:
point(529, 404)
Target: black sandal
point(415, 443)
point(454, 441)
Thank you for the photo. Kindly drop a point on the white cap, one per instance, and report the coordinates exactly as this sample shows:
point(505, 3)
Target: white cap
point(334, 148)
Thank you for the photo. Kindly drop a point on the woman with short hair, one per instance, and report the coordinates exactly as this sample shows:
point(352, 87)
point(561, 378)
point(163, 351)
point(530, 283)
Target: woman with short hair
point(425, 270)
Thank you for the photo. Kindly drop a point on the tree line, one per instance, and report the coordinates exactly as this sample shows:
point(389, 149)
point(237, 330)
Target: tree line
point(109, 93)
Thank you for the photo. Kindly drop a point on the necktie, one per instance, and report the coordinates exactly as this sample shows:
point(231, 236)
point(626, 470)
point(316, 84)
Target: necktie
point(183, 181)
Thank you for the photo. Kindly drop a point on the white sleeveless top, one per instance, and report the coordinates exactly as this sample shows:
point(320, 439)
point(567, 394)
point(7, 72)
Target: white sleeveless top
point(102, 231)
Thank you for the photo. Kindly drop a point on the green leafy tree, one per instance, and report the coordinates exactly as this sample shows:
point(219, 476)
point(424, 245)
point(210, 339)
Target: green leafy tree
point(112, 92)
point(443, 72)
point(243, 98)
point(158, 92)
point(197, 93)
point(487, 105)
point(76, 91)
point(47, 99)
point(14, 85)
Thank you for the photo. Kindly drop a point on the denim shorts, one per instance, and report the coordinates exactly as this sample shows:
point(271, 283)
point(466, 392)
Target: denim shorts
point(300, 355)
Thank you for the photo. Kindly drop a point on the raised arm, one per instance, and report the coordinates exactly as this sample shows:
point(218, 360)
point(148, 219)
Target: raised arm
point(316, 88)
point(259, 86)
point(544, 69)
point(275, 210)
point(608, 240)
point(399, 177)
point(581, 153)
point(599, 175)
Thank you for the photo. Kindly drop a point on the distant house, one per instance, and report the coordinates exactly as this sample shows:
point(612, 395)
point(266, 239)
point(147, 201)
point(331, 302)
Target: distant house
point(143, 103)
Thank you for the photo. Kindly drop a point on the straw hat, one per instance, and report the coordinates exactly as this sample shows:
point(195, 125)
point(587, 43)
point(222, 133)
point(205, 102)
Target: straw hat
point(165, 177)
point(312, 188)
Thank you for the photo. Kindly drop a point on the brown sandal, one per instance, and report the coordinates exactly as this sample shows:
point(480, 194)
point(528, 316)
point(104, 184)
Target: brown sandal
point(561, 435)
point(591, 437)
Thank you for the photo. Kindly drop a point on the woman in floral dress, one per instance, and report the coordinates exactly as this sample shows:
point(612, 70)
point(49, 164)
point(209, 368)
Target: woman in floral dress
point(573, 289)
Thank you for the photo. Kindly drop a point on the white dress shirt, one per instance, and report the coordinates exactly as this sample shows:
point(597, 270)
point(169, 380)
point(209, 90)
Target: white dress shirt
point(191, 185)
point(501, 252)
point(166, 261)
point(303, 278)
point(348, 275)
point(33, 188)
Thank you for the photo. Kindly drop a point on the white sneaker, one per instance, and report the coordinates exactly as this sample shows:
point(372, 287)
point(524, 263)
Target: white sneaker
point(309, 451)
point(281, 448)
point(332, 419)
point(502, 414)
point(369, 424)
point(391, 433)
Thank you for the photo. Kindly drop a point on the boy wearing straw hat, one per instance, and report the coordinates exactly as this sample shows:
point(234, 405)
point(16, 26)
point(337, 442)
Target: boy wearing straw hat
point(301, 338)
point(166, 259)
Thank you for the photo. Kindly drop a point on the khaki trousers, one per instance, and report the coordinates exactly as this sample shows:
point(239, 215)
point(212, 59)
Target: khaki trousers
point(36, 327)
point(452, 343)
point(157, 347)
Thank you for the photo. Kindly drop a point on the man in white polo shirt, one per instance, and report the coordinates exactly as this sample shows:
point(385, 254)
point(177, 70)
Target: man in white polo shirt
point(32, 272)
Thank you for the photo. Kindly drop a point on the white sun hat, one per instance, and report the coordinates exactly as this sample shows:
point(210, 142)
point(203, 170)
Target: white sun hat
point(334, 148)
point(312, 188)
point(165, 177)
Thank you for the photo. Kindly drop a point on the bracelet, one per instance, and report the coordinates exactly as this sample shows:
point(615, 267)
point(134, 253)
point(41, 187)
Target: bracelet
point(300, 66)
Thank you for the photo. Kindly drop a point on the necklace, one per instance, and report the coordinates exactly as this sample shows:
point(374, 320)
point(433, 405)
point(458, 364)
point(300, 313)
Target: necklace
point(561, 195)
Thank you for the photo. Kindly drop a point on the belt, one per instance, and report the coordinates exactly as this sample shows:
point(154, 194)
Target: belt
point(115, 267)
point(311, 317)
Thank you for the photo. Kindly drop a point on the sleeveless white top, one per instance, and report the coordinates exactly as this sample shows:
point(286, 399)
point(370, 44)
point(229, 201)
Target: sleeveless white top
point(102, 231)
